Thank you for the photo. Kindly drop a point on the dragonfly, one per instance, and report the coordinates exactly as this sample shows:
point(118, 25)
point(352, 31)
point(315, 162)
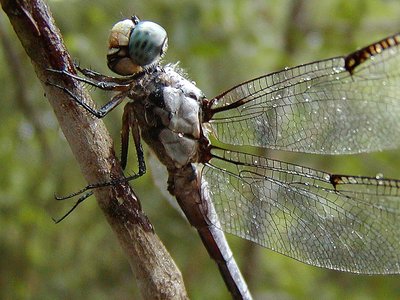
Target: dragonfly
point(342, 105)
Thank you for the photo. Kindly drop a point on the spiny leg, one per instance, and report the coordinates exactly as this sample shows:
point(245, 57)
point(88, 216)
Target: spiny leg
point(142, 170)
point(97, 80)
point(80, 200)
point(128, 122)
point(98, 185)
point(103, 111)
point(103, 78)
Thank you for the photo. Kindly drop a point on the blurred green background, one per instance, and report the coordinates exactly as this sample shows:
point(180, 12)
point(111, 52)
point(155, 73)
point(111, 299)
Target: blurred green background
point(219, 43)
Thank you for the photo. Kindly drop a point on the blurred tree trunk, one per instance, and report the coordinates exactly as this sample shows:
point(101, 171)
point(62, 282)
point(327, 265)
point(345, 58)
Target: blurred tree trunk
point(156, 273)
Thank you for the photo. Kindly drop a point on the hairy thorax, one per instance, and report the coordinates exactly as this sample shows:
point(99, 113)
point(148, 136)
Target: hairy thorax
point(168, 110)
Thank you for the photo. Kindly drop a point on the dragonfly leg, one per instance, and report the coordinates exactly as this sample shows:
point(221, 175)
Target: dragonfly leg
point(103, 111)
point(129, 122)
point(129, 125)
point(102, 82)
point(90, 193)
point(95, 76)
point(80, 200)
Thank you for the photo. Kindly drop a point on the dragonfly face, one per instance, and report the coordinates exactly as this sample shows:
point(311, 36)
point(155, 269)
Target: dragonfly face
point(342, 105)
point(134, 45)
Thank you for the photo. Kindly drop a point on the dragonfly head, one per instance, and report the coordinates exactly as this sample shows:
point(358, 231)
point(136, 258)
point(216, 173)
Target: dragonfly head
point(135, 45)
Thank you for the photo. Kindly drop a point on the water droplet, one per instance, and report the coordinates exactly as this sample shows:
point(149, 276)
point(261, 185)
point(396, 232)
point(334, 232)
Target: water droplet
point(337, 69)
point(379, 176)
point(352, 180)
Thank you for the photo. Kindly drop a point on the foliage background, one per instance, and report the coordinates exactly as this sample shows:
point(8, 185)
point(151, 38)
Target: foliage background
point(219, 43)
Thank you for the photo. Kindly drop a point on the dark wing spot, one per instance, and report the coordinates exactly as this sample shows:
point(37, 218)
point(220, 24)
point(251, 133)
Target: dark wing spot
point(357, 58)
point(335, 180)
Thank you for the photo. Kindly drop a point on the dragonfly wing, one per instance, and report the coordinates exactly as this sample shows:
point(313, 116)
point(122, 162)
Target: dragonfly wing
point(336, 222)
point(340, 105)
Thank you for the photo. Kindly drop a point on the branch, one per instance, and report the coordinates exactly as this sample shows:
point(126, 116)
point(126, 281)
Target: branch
point(156, 273)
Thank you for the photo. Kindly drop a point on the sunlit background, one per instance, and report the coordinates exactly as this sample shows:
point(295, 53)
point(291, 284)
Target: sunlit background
point(219, 43)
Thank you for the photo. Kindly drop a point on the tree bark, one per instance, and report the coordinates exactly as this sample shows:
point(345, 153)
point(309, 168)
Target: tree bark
point(156, 274)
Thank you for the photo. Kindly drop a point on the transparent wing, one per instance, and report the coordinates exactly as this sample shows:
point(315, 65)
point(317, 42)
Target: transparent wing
point(335, 106)
point(338, 222)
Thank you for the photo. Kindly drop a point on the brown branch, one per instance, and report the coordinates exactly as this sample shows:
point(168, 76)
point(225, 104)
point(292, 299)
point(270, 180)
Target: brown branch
point(156, 274)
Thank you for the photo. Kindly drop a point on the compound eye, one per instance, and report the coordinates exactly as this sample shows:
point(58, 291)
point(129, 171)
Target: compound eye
point(135, 45)
point(147, 44)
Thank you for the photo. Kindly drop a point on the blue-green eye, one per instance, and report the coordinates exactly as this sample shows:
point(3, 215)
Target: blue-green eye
point(134, 45)
point(147, 43)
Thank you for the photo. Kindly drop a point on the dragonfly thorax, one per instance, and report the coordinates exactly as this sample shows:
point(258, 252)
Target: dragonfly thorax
point(170, 116)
